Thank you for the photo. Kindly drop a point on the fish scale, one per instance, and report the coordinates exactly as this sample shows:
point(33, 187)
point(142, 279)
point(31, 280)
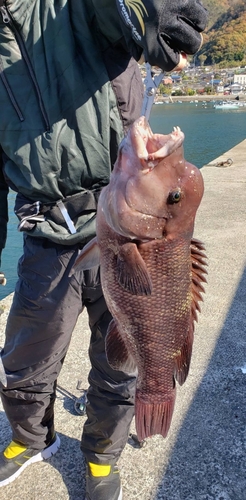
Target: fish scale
point(152, 269)
point(166, 306)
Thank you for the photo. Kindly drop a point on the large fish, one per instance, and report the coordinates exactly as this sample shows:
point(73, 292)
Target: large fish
point(151, 267)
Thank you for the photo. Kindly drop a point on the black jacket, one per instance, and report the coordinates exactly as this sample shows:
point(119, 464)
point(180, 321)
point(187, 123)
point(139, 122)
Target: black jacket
point(68, 92)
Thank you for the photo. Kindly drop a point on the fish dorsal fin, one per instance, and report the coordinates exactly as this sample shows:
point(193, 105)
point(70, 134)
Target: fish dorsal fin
point(132, 272)
point(88, 257)
point(198, 272)
point(116, 350)
point(198, 269)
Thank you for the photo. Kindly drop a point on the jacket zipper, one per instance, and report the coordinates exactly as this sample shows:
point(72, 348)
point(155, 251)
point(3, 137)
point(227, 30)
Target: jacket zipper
point(7, 20)
point(9, 91)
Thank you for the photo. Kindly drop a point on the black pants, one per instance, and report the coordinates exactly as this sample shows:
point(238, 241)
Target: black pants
point(43, 315)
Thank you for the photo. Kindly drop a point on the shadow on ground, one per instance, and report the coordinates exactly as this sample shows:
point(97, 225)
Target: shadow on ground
point(70, 464)
point(209, 457)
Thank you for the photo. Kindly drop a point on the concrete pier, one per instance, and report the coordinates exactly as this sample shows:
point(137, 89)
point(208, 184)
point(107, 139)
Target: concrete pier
point(204, 455)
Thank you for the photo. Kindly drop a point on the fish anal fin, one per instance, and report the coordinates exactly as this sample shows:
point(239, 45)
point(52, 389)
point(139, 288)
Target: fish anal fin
point(198, 272)
point(132, 272)
point(153, 418)
point(183, 357)
point(116, 350)
point(88, 257)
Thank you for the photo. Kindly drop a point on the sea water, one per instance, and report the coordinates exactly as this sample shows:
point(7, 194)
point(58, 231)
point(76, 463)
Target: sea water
point(208, 134)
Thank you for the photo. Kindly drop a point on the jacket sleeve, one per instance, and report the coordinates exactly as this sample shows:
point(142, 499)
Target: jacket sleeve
point(166, 30)
point(3, 207)
point(158, 31)
point(109, 23)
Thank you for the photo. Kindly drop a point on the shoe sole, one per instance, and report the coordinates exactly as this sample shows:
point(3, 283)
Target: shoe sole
point(120, 497)
point(42, 455)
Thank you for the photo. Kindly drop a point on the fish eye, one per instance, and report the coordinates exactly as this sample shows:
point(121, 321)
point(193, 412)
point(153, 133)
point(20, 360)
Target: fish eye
point(174, 197)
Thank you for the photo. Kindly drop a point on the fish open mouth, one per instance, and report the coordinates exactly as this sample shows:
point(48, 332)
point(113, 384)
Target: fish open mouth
point(148, 189)
point(151, 148)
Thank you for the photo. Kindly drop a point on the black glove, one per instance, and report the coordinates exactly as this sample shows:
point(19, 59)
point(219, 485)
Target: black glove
point(163, 29)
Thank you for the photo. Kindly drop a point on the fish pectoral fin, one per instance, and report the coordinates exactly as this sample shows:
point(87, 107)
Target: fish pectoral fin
point(116, 350)
point(198, 270)
point(88, 257)
point(132, 272)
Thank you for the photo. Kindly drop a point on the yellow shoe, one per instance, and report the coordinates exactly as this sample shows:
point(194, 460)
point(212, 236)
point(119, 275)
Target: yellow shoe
point(16, 457)
point(103, 482)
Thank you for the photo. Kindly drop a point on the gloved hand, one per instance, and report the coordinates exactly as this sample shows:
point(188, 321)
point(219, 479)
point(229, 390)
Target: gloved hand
point(162, 29)
point(3, 280)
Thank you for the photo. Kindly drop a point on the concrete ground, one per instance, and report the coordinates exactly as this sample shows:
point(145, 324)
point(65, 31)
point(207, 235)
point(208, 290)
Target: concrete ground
point(204, 455)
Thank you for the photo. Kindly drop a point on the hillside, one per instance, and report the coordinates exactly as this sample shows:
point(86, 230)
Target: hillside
point(225, 37)
point(216, 8)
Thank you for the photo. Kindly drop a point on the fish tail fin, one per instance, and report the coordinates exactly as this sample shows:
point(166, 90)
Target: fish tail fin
point(153, 418)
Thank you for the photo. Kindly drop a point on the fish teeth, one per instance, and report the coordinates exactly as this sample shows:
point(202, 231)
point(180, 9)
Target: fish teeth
point(176, 130)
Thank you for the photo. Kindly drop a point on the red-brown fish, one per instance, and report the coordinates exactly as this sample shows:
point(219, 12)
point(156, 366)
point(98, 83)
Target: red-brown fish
point(152, 268)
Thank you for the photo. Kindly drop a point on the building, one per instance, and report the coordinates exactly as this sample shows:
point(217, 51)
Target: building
point(215, 82)
point(167, 80)
point(236, 88)
point(240, 79)
point(176, 78)
point(220, 89)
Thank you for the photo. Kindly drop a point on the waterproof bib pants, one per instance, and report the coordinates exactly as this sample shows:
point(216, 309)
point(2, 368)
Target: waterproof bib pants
point(46, 305)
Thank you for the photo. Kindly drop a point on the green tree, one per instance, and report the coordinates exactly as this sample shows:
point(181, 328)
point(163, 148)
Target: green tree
point(202, 58)
point(178, 92)
point(209, 90)
point(165, 89)
point(190, 91)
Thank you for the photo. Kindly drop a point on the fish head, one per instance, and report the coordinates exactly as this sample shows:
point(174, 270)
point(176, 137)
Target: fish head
point(154, 191)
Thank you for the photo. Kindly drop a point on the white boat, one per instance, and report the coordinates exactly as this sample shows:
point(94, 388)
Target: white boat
point(227, 105)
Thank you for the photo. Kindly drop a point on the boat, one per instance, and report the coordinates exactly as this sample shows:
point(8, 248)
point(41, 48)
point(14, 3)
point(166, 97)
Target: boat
point(227, 105)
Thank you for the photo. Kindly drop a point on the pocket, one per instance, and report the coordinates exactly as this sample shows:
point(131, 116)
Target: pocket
point(41, 270)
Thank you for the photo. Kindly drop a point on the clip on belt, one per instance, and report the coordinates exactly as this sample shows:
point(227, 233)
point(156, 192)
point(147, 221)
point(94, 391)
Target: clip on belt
point(65, 214)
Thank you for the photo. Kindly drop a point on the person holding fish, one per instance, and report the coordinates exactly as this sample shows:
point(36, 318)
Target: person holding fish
point(70, 89)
